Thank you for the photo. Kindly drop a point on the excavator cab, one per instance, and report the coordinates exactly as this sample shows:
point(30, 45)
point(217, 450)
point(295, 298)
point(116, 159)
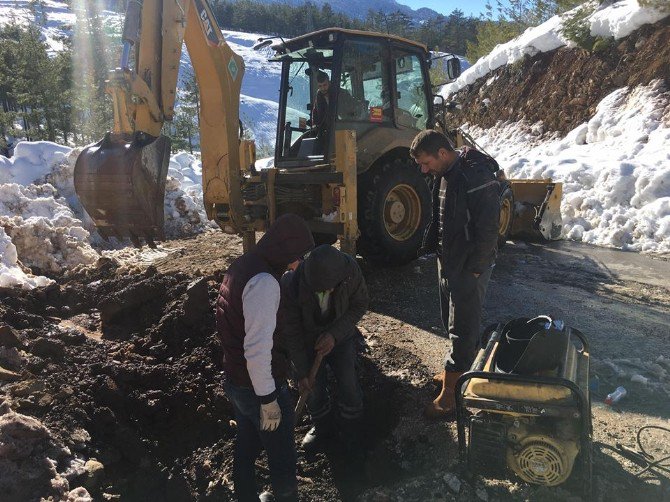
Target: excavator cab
point(337, 79)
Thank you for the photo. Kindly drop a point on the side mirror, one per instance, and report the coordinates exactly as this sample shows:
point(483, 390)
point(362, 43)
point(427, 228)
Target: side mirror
point(453, 68)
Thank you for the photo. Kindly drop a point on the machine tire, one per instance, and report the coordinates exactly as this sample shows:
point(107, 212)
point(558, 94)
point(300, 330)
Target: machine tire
point(506, 214)
point(394, 207)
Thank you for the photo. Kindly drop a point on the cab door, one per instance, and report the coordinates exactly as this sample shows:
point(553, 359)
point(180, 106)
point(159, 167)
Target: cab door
point(412, 90)
point(364, 101)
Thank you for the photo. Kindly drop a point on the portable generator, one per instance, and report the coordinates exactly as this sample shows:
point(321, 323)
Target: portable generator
point(524, 406)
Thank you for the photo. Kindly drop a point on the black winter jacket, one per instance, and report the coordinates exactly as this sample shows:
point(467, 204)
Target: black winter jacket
point(299, 309)
point(470, 215)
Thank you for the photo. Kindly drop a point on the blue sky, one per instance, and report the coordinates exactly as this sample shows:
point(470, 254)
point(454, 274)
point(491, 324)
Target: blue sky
point(473, 7)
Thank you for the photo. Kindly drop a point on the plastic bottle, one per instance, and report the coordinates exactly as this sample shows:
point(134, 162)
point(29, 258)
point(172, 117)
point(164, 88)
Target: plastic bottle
point(616, 396)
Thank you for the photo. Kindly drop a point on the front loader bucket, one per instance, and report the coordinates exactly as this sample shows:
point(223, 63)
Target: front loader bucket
point(121, 184)
point(537, 209)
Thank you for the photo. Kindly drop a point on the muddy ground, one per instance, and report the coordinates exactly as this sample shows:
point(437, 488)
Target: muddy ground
point(114, 376)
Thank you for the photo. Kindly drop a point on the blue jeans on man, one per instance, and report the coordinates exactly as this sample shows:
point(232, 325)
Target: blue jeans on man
point(251, 440)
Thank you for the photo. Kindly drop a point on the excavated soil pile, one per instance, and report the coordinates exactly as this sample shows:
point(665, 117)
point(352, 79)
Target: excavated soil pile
point(110, 382)
point(117, 381)
point(562, 88)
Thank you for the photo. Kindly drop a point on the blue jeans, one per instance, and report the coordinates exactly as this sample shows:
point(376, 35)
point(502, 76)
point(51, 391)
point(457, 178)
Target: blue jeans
point(342, 361)
point(250, 440)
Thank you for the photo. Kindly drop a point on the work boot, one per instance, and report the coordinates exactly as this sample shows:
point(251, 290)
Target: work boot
point(318, 437)
point(445, 404)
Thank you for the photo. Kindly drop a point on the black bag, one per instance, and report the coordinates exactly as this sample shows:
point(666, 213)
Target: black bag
point(531, 346)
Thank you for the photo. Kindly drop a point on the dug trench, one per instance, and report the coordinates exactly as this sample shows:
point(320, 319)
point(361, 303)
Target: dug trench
point(126, 371)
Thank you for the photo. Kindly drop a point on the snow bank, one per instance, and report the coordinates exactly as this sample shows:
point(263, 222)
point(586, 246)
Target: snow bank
point(616, 20)
point(43, 228)
point(43, 225)
point(10, 273)
point(31, 161)
point(184, 208)
point(615, 169)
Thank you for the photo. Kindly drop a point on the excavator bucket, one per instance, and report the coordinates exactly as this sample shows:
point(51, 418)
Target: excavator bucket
point(121, 184)
point(537, 209)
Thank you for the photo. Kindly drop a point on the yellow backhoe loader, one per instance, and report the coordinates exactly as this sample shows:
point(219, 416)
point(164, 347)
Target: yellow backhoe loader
point(349, 174)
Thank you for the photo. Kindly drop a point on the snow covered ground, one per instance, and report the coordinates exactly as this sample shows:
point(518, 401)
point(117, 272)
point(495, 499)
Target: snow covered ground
point(615, 168)
point(44, 226)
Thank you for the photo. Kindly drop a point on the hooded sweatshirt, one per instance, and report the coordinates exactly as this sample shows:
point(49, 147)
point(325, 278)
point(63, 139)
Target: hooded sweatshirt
point(246, 310)
point(302, 319)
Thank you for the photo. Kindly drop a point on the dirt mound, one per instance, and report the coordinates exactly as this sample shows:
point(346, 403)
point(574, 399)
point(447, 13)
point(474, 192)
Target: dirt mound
point(562, 88)
point(123, 371)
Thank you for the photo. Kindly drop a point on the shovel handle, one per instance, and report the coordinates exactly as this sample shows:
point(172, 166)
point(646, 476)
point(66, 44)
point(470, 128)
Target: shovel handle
point(312, 377)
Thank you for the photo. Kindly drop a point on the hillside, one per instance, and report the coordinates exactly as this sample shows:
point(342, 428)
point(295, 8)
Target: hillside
point(596, 120)
point(562, 88)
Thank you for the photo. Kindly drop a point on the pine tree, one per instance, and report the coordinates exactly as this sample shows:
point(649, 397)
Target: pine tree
point(94, 50)
point(186, 123)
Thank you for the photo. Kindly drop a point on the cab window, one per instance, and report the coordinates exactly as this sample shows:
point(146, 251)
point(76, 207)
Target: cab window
point(412, 102)
point(364, 84)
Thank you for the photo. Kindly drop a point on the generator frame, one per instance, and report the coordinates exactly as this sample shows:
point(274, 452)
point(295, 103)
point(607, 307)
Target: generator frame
point(581, 411)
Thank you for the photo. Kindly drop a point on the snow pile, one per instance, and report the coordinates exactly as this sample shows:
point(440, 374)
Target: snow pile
point(31, 161)
point(617, 20)
point(43, 229)
point(44, 226)
point(184, 208)
point(11, 274)
point(615, 169)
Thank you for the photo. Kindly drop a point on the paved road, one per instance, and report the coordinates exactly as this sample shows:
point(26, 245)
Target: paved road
point(621, 265)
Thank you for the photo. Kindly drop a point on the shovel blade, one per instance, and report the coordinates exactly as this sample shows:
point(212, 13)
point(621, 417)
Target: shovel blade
point(120, 181)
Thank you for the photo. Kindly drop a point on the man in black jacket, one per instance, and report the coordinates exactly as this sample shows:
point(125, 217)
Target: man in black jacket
point(463, 232)
point(322, 300)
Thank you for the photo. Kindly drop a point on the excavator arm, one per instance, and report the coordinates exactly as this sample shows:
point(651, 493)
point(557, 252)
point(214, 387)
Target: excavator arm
point(121, 179)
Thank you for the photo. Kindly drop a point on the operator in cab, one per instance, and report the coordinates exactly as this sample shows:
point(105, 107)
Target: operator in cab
point(348, 108)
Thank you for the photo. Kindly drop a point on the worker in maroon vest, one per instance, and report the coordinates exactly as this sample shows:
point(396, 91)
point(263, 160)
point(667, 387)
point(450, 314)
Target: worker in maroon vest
point(255, 369)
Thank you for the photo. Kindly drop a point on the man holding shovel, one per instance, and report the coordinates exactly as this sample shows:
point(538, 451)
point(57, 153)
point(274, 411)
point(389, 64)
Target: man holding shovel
point(322, 300)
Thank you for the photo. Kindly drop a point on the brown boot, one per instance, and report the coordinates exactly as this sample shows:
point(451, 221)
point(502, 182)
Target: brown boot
point(445, 403)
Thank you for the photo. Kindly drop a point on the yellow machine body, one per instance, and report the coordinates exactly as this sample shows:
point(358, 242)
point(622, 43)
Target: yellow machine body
point(532, 425)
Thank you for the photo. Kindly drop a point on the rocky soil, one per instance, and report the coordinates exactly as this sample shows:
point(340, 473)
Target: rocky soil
point(111, 382)
point(562, 88)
